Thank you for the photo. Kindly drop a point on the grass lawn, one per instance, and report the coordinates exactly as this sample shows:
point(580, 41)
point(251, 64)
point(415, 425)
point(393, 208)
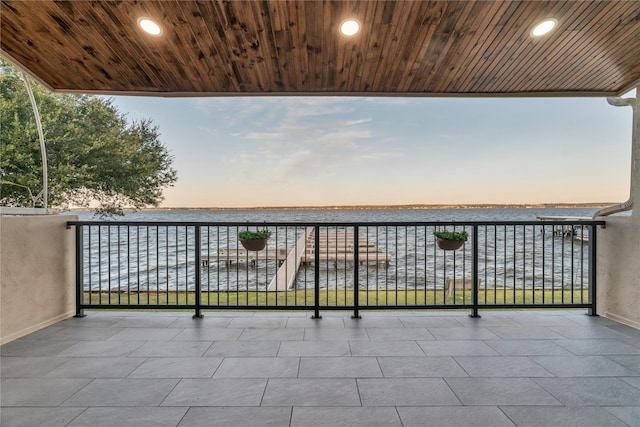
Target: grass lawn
point(340, 298)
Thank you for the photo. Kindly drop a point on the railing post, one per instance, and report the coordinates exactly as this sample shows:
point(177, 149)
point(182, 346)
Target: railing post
point(198, 314)
point(356, 276)
point(316, 273)
point(474, 310)
point(79, 271)
point(591, 311)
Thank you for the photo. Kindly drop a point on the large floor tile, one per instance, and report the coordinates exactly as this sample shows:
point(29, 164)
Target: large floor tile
point(628, 414)
point(94, 319)
point(139, 417)
point(582, 366)
point(42, 334)
point(351, 334)
point(145, 334)
point(258, 323)
point(339, 367)
point(634, 381)
point(395, 334)
point(258, 367)
point(236, 417)
point(543, 416)
point(41, 417)
point(539, 319)
point(628, 331)
point(412, 367)
point(588, 332)
point(374, 322)
point(502, 366)
point(586, 320)
point(39, 391)
point(95, 367)
point(311, 392)
point(631, 362)
point(216, 392)
point(243, 349)
point(209, 321)
point(453, 416)
point(28, 367)
point(34, 348)
point(488, 320)
point(527, 348)
point(430, 322)
point(84, 334)
point(208, 334)
point(272, 334)
point(101, 349)
point(172, 349)
point(146, 322)
point(308, 322)
point(314, 348)
point(500, 391)
point(385, 348)
point(177, 367)
point(591, 391)
point(526, 333)
point(406, 392)
point(352, 417)
point(479, 333)
point(595, 347)
point(123, 392)
point(457, 348)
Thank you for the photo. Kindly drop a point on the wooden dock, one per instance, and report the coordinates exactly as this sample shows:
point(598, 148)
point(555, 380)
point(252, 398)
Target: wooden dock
point(232, 255)
point(578, 232)
point(334, 247)
point(339, 247)
point(286, 274)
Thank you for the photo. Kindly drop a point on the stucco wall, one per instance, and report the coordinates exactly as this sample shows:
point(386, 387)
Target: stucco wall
point(37, 273)
point(618, 270)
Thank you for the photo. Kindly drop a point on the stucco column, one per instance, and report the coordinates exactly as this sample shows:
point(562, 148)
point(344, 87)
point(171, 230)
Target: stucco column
point(618, 270)
point(37, 272)
point(635, 159)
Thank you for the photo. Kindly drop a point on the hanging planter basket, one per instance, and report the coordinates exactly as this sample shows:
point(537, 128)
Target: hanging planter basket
point(254, 240)
point(254, 244)
point(450, 240)
point(449, 245)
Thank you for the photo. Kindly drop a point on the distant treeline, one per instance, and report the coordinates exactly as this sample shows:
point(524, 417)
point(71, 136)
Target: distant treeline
point(365, 207)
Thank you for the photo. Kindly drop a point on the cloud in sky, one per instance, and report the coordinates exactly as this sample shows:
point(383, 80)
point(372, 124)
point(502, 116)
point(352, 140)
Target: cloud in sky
point(310, 137)
point(345, 150)
point(357, 122)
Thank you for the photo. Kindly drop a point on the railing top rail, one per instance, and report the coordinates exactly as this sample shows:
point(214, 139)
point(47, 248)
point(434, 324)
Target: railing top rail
point(336, 224)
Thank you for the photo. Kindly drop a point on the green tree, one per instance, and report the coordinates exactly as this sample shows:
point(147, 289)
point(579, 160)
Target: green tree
point(96, 157)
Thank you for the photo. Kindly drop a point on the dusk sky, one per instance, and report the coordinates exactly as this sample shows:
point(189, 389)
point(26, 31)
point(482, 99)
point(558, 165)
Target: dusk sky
point(319, 151)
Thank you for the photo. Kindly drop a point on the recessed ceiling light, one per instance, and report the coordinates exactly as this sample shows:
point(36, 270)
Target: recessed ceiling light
point(350, 27)
point(149, 26)
point(544, 27)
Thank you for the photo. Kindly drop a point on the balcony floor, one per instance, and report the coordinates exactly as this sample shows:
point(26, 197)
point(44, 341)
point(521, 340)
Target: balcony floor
point(285, 369)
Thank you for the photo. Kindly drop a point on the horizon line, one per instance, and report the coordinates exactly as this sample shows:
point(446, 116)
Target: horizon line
point(401, 206)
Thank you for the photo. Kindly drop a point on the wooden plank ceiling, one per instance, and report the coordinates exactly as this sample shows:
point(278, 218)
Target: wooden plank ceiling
point(278, 47)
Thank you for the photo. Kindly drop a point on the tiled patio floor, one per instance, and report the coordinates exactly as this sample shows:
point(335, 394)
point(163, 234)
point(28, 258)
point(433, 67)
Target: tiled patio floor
point(539, 368)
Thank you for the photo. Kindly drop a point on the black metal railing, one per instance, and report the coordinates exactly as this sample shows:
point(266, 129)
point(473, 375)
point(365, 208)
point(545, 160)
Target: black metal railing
point(329, 266)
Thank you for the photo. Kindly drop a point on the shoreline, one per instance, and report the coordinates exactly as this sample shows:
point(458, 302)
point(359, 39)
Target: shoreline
point(382, 207)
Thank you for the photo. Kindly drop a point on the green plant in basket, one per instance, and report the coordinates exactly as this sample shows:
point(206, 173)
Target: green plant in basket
point(452, 235)
point(254, 235)
point(450, 240)
point(254, 240)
